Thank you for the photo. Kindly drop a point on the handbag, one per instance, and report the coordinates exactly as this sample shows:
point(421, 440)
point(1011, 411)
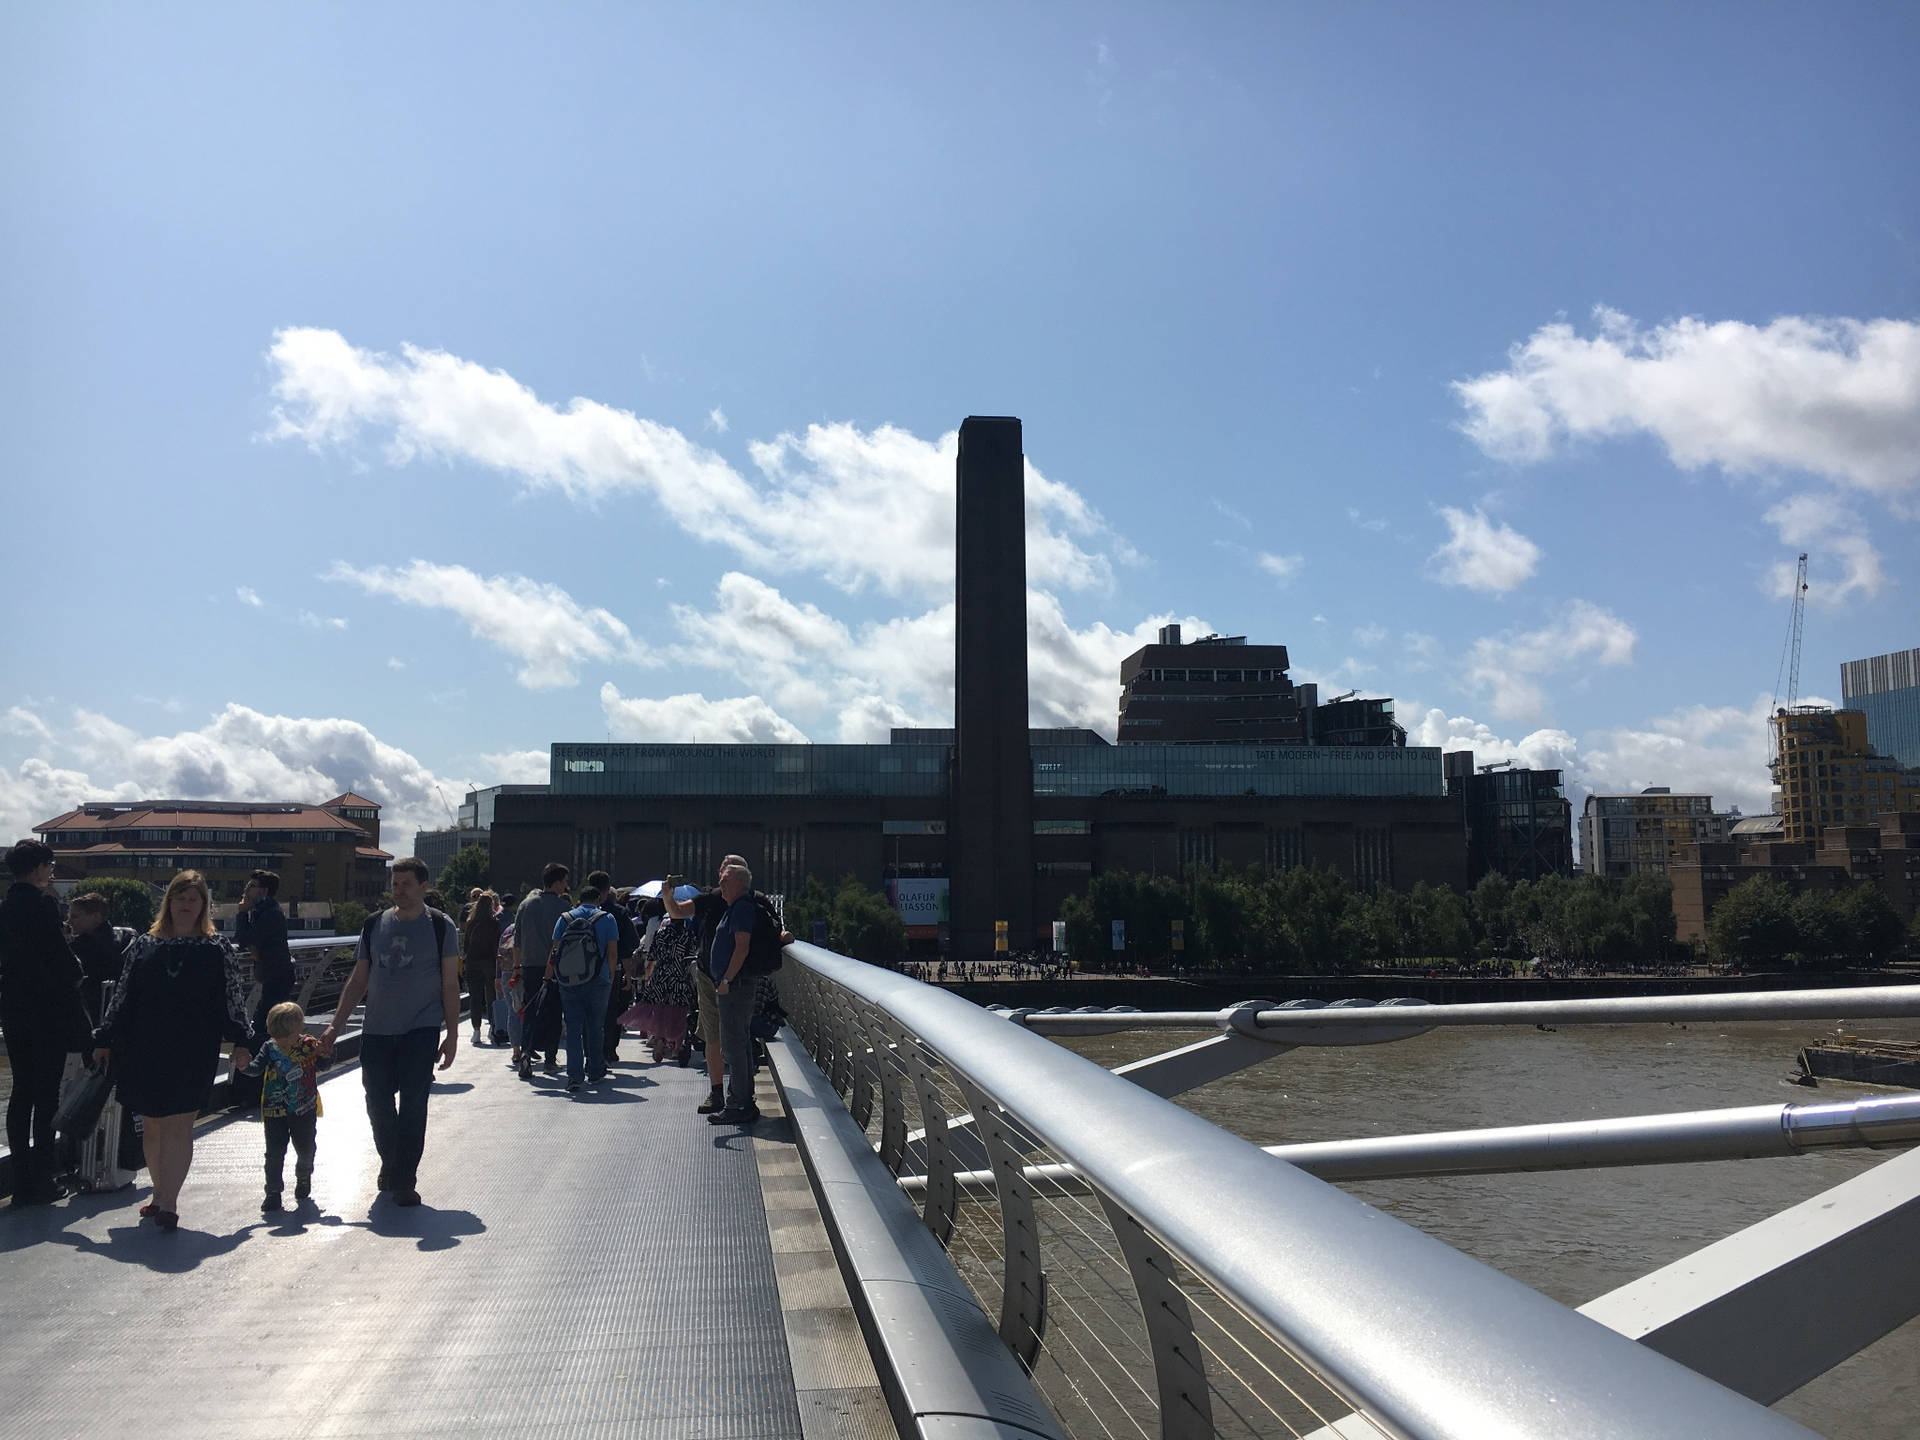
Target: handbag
point(79, 1109)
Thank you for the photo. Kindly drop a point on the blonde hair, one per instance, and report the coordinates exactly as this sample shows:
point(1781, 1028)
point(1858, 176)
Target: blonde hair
point(285, 1020)
point(185, 880)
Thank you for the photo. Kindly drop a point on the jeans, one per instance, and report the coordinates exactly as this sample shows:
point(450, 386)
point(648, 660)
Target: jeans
point(301, 1130)
point(736, 1040)
point(480, 993)
point(583, 1008)
point(37, 1067)
point(399, 1066)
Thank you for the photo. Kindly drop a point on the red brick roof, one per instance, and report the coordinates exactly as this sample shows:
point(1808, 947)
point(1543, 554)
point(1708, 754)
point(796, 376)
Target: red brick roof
point(358, 802)
point(153, 815)
point(368, 852)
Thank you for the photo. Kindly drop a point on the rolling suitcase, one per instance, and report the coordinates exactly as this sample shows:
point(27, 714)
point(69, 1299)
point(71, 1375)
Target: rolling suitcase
point(107, 1161)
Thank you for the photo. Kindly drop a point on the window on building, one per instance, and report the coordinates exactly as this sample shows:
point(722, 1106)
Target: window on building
point(310, 881)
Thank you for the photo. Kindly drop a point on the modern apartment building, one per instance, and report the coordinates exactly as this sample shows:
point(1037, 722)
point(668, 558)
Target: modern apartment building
point(1886, 689)
point(1828, 773)
point(1625, 835)
point(329, 851)
point(1519, 822)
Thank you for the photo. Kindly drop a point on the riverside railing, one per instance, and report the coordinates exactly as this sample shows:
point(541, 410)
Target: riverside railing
point(1189, 1284)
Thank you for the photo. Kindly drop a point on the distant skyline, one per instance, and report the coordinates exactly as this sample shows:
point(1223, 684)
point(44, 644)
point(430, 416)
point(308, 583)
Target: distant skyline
point(394, 391)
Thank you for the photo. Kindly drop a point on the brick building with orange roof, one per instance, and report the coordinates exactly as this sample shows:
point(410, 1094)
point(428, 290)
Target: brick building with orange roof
point(329, 851)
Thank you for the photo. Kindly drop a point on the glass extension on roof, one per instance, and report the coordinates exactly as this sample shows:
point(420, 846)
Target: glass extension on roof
point(913, 770)
point(921, 770)
point(1146, 770)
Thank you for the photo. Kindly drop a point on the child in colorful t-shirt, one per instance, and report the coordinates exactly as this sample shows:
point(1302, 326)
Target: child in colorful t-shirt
point(289, 1064)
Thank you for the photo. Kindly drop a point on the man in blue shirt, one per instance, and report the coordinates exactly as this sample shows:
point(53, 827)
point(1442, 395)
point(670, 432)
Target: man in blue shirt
point(585, 942)
point(731, 937)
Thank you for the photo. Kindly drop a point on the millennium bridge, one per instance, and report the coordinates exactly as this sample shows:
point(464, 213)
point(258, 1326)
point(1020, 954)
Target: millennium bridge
point(947, 1227)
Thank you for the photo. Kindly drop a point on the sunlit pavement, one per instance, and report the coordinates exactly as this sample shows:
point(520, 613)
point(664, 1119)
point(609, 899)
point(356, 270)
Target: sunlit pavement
point(581, 1266)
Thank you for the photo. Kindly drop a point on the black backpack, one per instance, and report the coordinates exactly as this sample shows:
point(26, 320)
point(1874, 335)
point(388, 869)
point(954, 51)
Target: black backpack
point(763, 946)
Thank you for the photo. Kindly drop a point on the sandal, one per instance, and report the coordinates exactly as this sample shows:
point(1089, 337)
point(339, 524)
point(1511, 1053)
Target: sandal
point(146, 1210)
point(167, 1219)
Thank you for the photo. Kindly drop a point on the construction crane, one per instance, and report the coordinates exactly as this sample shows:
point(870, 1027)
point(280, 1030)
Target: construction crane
point(1789, 666)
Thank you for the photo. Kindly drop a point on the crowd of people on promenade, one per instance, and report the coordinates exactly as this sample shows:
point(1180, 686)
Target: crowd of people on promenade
point(689, 968)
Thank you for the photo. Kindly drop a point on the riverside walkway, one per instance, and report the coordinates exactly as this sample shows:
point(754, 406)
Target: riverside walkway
point(581, 1267)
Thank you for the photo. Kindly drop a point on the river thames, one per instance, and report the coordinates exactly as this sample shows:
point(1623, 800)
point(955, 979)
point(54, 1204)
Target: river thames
point(1579, 1234)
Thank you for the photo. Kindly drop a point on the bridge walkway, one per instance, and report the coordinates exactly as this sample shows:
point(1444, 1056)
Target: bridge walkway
point(581, 1267)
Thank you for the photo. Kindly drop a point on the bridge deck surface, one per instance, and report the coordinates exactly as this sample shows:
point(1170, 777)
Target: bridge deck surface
point(580, 1267)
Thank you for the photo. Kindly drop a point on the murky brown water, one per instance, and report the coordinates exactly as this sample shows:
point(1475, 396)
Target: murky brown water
point(1579, 1234)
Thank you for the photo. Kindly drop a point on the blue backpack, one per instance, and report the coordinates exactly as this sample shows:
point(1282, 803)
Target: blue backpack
point(576, 955)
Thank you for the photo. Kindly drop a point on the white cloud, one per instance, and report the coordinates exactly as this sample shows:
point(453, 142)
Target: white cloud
point(1837, 398)
point(321, 622)
point(1482, 555)
point(1375, 523)
point(240, 754)
point(696, 720)
point(1238, 517)
point(867, 679)
point(717, 420)
point(394, 662)
point(541, 626)
point(247, 595)
point(858, 507)
point(517, 767)
point(1370, 635)
point(1281, 567)
point(1827, 527)
point(1420, 651)
point(1509, 666)
point(1720, 750)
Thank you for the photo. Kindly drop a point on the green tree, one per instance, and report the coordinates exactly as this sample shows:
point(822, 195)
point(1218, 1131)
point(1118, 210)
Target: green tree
point(469, 868)
point(348, 917)
point(1488, 907)
point(129, 902)
point(1326, 919)
point(1754, 924)
point(1877, 932)
point(812, 901)
point(865, 926)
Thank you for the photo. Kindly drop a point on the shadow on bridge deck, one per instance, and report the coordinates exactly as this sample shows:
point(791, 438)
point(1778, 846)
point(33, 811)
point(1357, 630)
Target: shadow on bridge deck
point(592, 1266)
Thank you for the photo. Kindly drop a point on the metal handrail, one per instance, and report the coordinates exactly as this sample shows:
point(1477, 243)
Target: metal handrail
point(1313, 1022)
point(1747, 1132)
point(1426, 1342)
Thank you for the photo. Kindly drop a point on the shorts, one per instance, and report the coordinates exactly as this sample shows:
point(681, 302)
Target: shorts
point(709, 1008)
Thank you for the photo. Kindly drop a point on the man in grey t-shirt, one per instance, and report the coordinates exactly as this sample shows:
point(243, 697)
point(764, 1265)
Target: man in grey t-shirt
point(533, 926)
point(408, 967)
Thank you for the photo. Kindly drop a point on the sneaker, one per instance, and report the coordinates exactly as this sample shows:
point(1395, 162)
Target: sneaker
point(716, 1101)
point(744, 1115)
point(272, 1203)
point(553, 1064)
point(573, 1087)
point(406, 1197)
point(526, 1069)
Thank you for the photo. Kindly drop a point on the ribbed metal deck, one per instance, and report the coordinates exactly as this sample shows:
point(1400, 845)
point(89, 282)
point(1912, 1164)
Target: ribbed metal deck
point(580, 1268)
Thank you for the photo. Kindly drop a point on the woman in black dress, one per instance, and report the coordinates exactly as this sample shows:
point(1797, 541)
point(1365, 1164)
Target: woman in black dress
point(180, 993)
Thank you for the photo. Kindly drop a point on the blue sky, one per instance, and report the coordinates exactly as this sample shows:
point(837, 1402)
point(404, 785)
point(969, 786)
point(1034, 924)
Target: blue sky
point(390, 391)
